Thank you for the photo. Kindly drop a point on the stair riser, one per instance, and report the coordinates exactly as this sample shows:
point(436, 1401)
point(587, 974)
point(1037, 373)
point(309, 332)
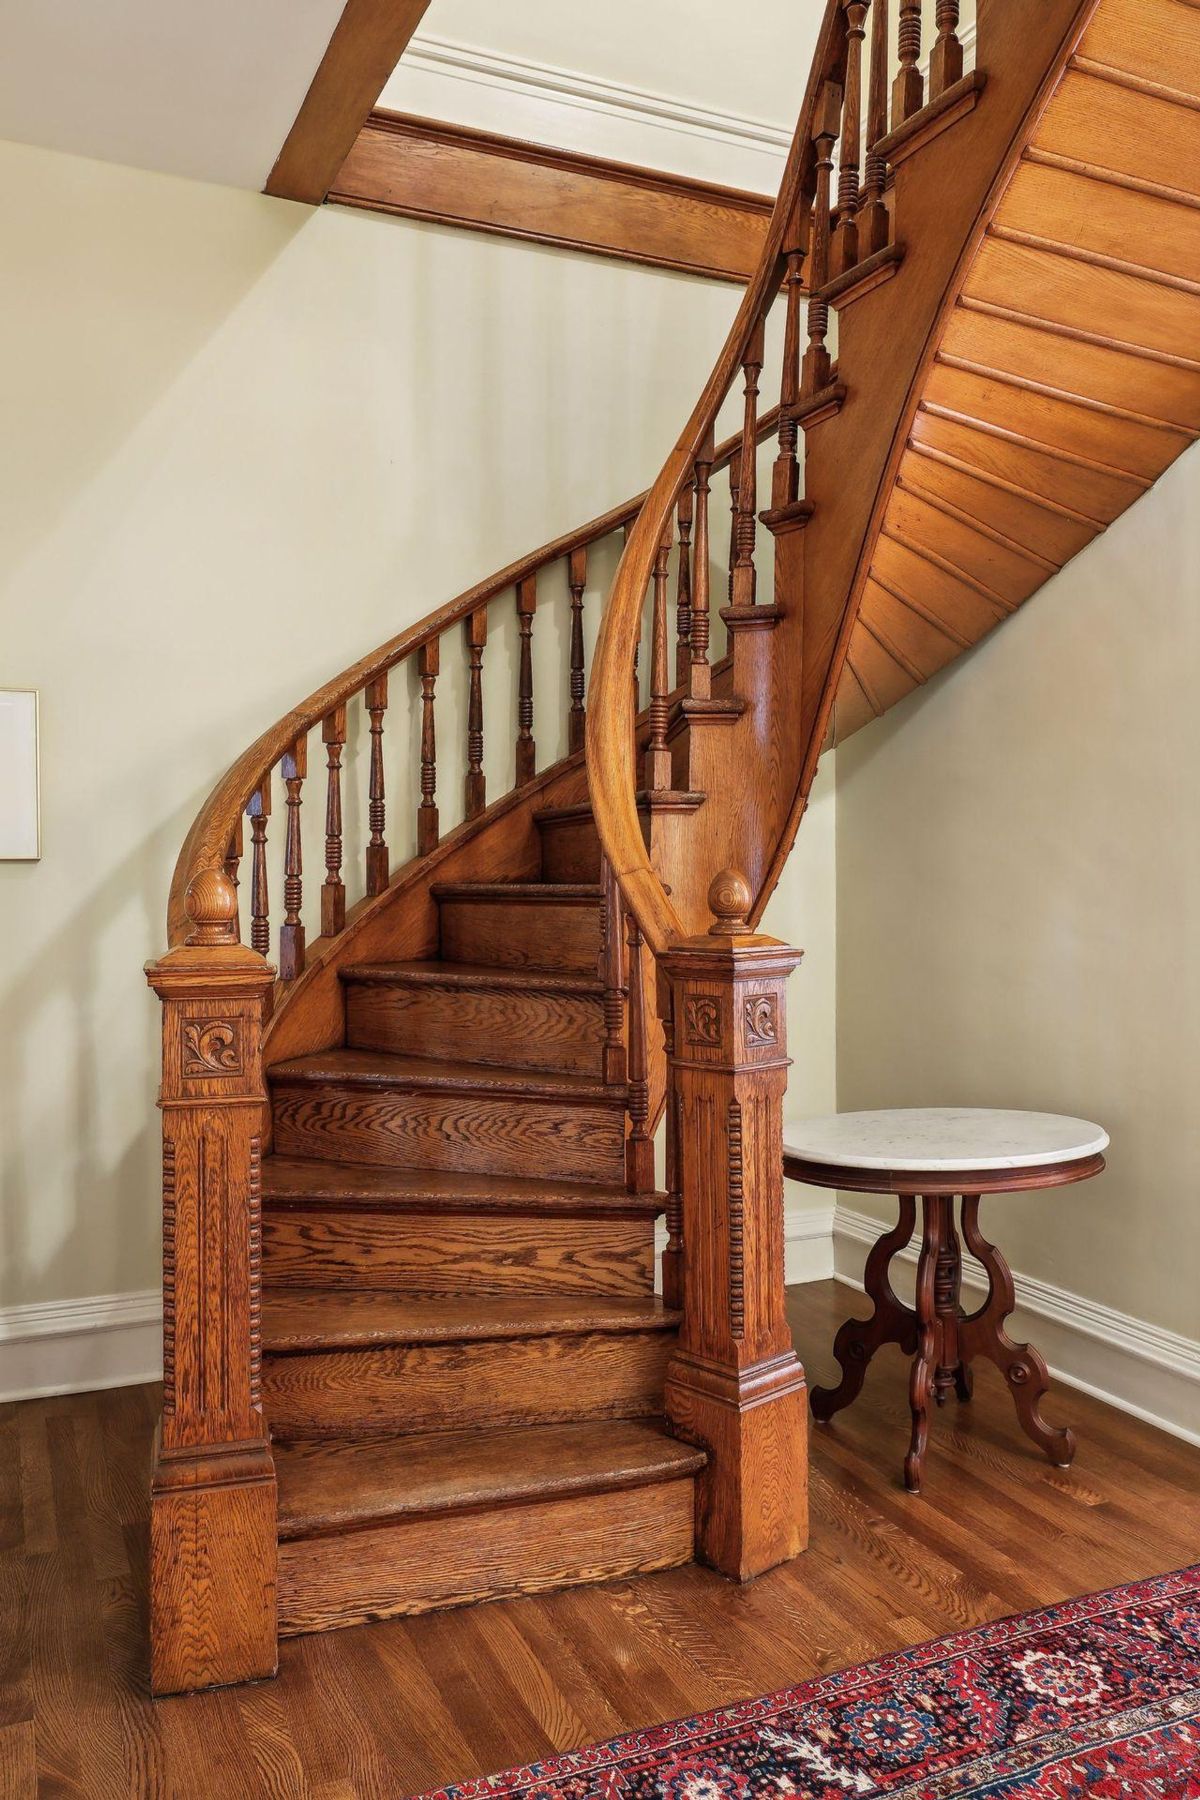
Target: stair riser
point(570, 850)
point(445, 1387)
point(466, 1253)
point(457, 1559)
point(516, 934)
point(561, 1032)
point(479, 1135)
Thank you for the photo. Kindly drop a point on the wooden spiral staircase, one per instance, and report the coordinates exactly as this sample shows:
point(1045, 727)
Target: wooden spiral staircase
point(414, 1355)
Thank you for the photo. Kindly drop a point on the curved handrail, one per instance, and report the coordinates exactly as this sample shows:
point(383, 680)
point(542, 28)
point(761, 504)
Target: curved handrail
point(610, 737)
point(206, 847)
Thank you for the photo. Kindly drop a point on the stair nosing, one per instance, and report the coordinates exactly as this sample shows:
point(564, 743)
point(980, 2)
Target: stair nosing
point(483, 1079)
point(579, 1197)
point(529, 978)
point(566, 893)
point(648, 1315)
point(685, 1461)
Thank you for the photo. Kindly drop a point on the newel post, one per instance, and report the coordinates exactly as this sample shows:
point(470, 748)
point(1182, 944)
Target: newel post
point(735, 1385)
point(213, 1502)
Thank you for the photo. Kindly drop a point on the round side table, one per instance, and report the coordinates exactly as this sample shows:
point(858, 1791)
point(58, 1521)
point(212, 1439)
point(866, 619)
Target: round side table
point(936, 1154)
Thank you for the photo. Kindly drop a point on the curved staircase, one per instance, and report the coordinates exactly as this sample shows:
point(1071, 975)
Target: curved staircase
point(414, 1351)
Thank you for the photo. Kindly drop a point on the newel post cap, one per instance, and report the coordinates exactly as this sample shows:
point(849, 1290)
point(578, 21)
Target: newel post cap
point(211, 952)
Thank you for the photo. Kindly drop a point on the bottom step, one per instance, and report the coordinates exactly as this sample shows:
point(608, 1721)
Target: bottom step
point(377, 1528)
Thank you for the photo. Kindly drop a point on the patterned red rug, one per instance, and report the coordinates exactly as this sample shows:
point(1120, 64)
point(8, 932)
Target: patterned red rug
point(1097, 1697)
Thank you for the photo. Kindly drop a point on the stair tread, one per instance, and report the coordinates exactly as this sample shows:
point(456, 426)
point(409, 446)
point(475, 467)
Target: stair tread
point(567, 891)
point(337, 1485)
point(386, 1069)
point(296, 1319)
point(432, 973)
point(372, 1184)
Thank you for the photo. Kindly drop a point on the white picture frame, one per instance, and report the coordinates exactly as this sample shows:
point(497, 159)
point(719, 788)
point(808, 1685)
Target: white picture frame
point(20, 807)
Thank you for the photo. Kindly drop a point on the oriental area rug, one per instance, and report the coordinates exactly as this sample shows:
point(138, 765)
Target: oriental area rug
point(1097, 1697)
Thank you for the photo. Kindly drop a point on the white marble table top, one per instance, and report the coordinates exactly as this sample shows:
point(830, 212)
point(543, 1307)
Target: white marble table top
point(939, 1138)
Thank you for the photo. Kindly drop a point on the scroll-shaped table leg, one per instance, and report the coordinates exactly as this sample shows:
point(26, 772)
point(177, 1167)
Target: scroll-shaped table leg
point(983, 1334)
point(891, 1323)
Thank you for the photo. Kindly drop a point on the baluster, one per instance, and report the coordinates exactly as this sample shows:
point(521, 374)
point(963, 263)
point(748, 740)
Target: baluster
point(577, 581)
point(672, 1262)
point(825, 131)
point(526, 747)
point(744, 580)
point(377, 850)
point(476, 781)
point(658, 757)
point(908, 89)
point(233, 857)
point(700, 676)
point(612, 975)
point(260, 906)
point(874, 226)
point(291, 932)
point(683, 590)
point(429, 667)
point(333, 893)
point(846, 250)
point(946, 60)
point(640, 1150)
point(785, 476)
point(735, 485)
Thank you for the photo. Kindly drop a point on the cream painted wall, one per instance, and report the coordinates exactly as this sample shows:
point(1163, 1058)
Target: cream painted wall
point(246, 442)
point(1018, 857)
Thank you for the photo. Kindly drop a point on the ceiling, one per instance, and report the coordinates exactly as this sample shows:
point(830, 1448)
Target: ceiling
point(203, 88)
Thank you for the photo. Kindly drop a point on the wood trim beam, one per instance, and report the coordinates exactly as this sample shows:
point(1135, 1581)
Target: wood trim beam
point(455, 175)
point(367, 43)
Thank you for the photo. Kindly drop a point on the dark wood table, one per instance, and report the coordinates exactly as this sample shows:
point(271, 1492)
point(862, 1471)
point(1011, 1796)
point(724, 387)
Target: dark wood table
point(937, 1154)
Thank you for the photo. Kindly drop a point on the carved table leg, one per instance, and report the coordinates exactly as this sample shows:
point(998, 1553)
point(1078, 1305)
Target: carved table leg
point(891, 1323)
point(947, 1292)
point(928, 1340)
point(983, 1334)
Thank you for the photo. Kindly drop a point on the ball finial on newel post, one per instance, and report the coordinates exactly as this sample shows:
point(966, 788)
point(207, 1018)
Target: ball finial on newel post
point(211, 904)
point(729, 902)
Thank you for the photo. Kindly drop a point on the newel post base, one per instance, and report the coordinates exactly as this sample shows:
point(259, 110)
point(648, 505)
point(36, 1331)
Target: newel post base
point(735, 1385)
point(213, 1613)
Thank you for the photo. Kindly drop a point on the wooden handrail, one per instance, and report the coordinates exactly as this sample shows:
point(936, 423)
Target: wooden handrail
point(218, 821)
point(609, 732)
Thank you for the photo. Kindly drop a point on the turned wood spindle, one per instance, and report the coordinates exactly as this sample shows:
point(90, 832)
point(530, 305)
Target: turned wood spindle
point(699, 672)
point(611, 972)
point(874, 226)
point(908, 89)
point(577, 581)
point(735, 488)
point(785, 475)
point(658, 757)
point(333, 892)
point(233, 855)
point(377, 850)
point(826, 124)
point(429, 665)
point(846, 250)
point(743, 579)
point(946, 58)
point(640, 1149)
point(526, 747)
point(683, 588)
point(259, 810)
point(291, 932)
point(476, 629)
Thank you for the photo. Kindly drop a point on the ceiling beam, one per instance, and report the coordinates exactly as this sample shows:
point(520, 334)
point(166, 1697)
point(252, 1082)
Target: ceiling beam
point(367, 43)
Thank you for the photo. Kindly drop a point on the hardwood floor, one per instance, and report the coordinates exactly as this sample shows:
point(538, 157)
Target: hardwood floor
point(395, 1708)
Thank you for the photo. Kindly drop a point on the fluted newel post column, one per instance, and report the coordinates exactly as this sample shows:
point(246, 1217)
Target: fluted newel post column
point(213, 1504)
point(735, 1385)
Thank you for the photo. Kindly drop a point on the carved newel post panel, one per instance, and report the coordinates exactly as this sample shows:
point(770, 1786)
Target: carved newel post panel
point(213, 1504)
point(735, 1385)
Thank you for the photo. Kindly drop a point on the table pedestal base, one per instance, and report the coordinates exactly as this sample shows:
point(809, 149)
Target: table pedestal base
point(942, 1340)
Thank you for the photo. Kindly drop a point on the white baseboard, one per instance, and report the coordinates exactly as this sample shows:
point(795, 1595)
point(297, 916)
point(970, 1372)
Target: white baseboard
point(808, 1245)
point(1140, 1368)
point(76, 1346)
